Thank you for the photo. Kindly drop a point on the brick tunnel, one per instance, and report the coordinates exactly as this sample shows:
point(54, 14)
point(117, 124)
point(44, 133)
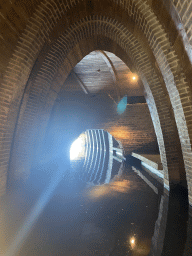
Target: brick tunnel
point(65, 65)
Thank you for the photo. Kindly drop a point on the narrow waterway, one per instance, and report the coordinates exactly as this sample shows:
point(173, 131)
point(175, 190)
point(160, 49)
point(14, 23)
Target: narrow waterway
point(76, 218)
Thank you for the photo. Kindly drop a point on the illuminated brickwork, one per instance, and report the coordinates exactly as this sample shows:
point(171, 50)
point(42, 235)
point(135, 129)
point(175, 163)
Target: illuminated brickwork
point(41, 41)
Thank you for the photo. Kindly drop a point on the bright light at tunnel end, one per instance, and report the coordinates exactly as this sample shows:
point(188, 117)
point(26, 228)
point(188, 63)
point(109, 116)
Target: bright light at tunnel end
point(76, 149)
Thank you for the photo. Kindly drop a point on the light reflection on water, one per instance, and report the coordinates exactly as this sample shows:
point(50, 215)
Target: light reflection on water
point(83, 221)
point(116, 186)
point(127, 186)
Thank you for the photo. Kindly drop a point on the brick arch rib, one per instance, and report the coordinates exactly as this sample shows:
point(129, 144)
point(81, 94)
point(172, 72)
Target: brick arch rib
point(52, 67)
point(42, 91)
point(45, 19)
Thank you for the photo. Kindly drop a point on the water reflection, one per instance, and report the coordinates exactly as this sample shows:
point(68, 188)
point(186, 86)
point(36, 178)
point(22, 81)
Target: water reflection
point(131, 210)
point(81, 218)
point(116, 186)
point(98, 155)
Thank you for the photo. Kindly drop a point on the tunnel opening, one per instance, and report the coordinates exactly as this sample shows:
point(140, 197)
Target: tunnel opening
point(100, 209)
point(96, 156)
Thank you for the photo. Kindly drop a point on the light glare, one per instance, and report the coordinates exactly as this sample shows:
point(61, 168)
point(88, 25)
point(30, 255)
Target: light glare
point(132, 240)
point(76, 148)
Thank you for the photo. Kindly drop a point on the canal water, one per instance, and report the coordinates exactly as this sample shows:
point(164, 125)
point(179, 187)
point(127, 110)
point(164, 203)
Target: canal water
point(53, 213)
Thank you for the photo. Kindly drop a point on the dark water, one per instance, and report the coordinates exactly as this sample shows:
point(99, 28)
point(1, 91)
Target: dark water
point(54, 213)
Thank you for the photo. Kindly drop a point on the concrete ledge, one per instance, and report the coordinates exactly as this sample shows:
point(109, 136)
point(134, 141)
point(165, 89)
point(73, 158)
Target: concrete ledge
point(152, 170)
point(151, 160)
point(152, 165)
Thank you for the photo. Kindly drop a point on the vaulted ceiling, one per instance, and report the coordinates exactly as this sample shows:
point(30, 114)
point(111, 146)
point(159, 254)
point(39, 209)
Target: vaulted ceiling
point(42, 41)
point(102, 71)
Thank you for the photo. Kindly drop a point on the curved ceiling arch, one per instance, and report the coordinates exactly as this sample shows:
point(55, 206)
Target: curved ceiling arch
point(48, 14)
point(42, 26)
point(147, 44)
point(136, 14)
point(60, 53)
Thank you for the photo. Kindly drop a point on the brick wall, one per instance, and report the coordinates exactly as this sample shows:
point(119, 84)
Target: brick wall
point(75, 112)
point(41, 41)
point(135, 28)
point(134, 129)
point(184, 9)
point(69, 56)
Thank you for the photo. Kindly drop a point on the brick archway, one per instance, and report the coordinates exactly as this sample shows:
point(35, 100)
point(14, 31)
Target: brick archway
point(42, 60)
point(43, 27)
point(52, 69)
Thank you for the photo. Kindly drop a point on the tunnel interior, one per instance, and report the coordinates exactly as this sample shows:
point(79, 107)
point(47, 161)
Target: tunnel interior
point(54, 192)
point(121, 68)
point(95, 218)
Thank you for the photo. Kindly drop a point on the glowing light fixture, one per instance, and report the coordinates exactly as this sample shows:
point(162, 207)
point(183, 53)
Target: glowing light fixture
point(77, 148)
point(134, 77)
point(132, 240)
